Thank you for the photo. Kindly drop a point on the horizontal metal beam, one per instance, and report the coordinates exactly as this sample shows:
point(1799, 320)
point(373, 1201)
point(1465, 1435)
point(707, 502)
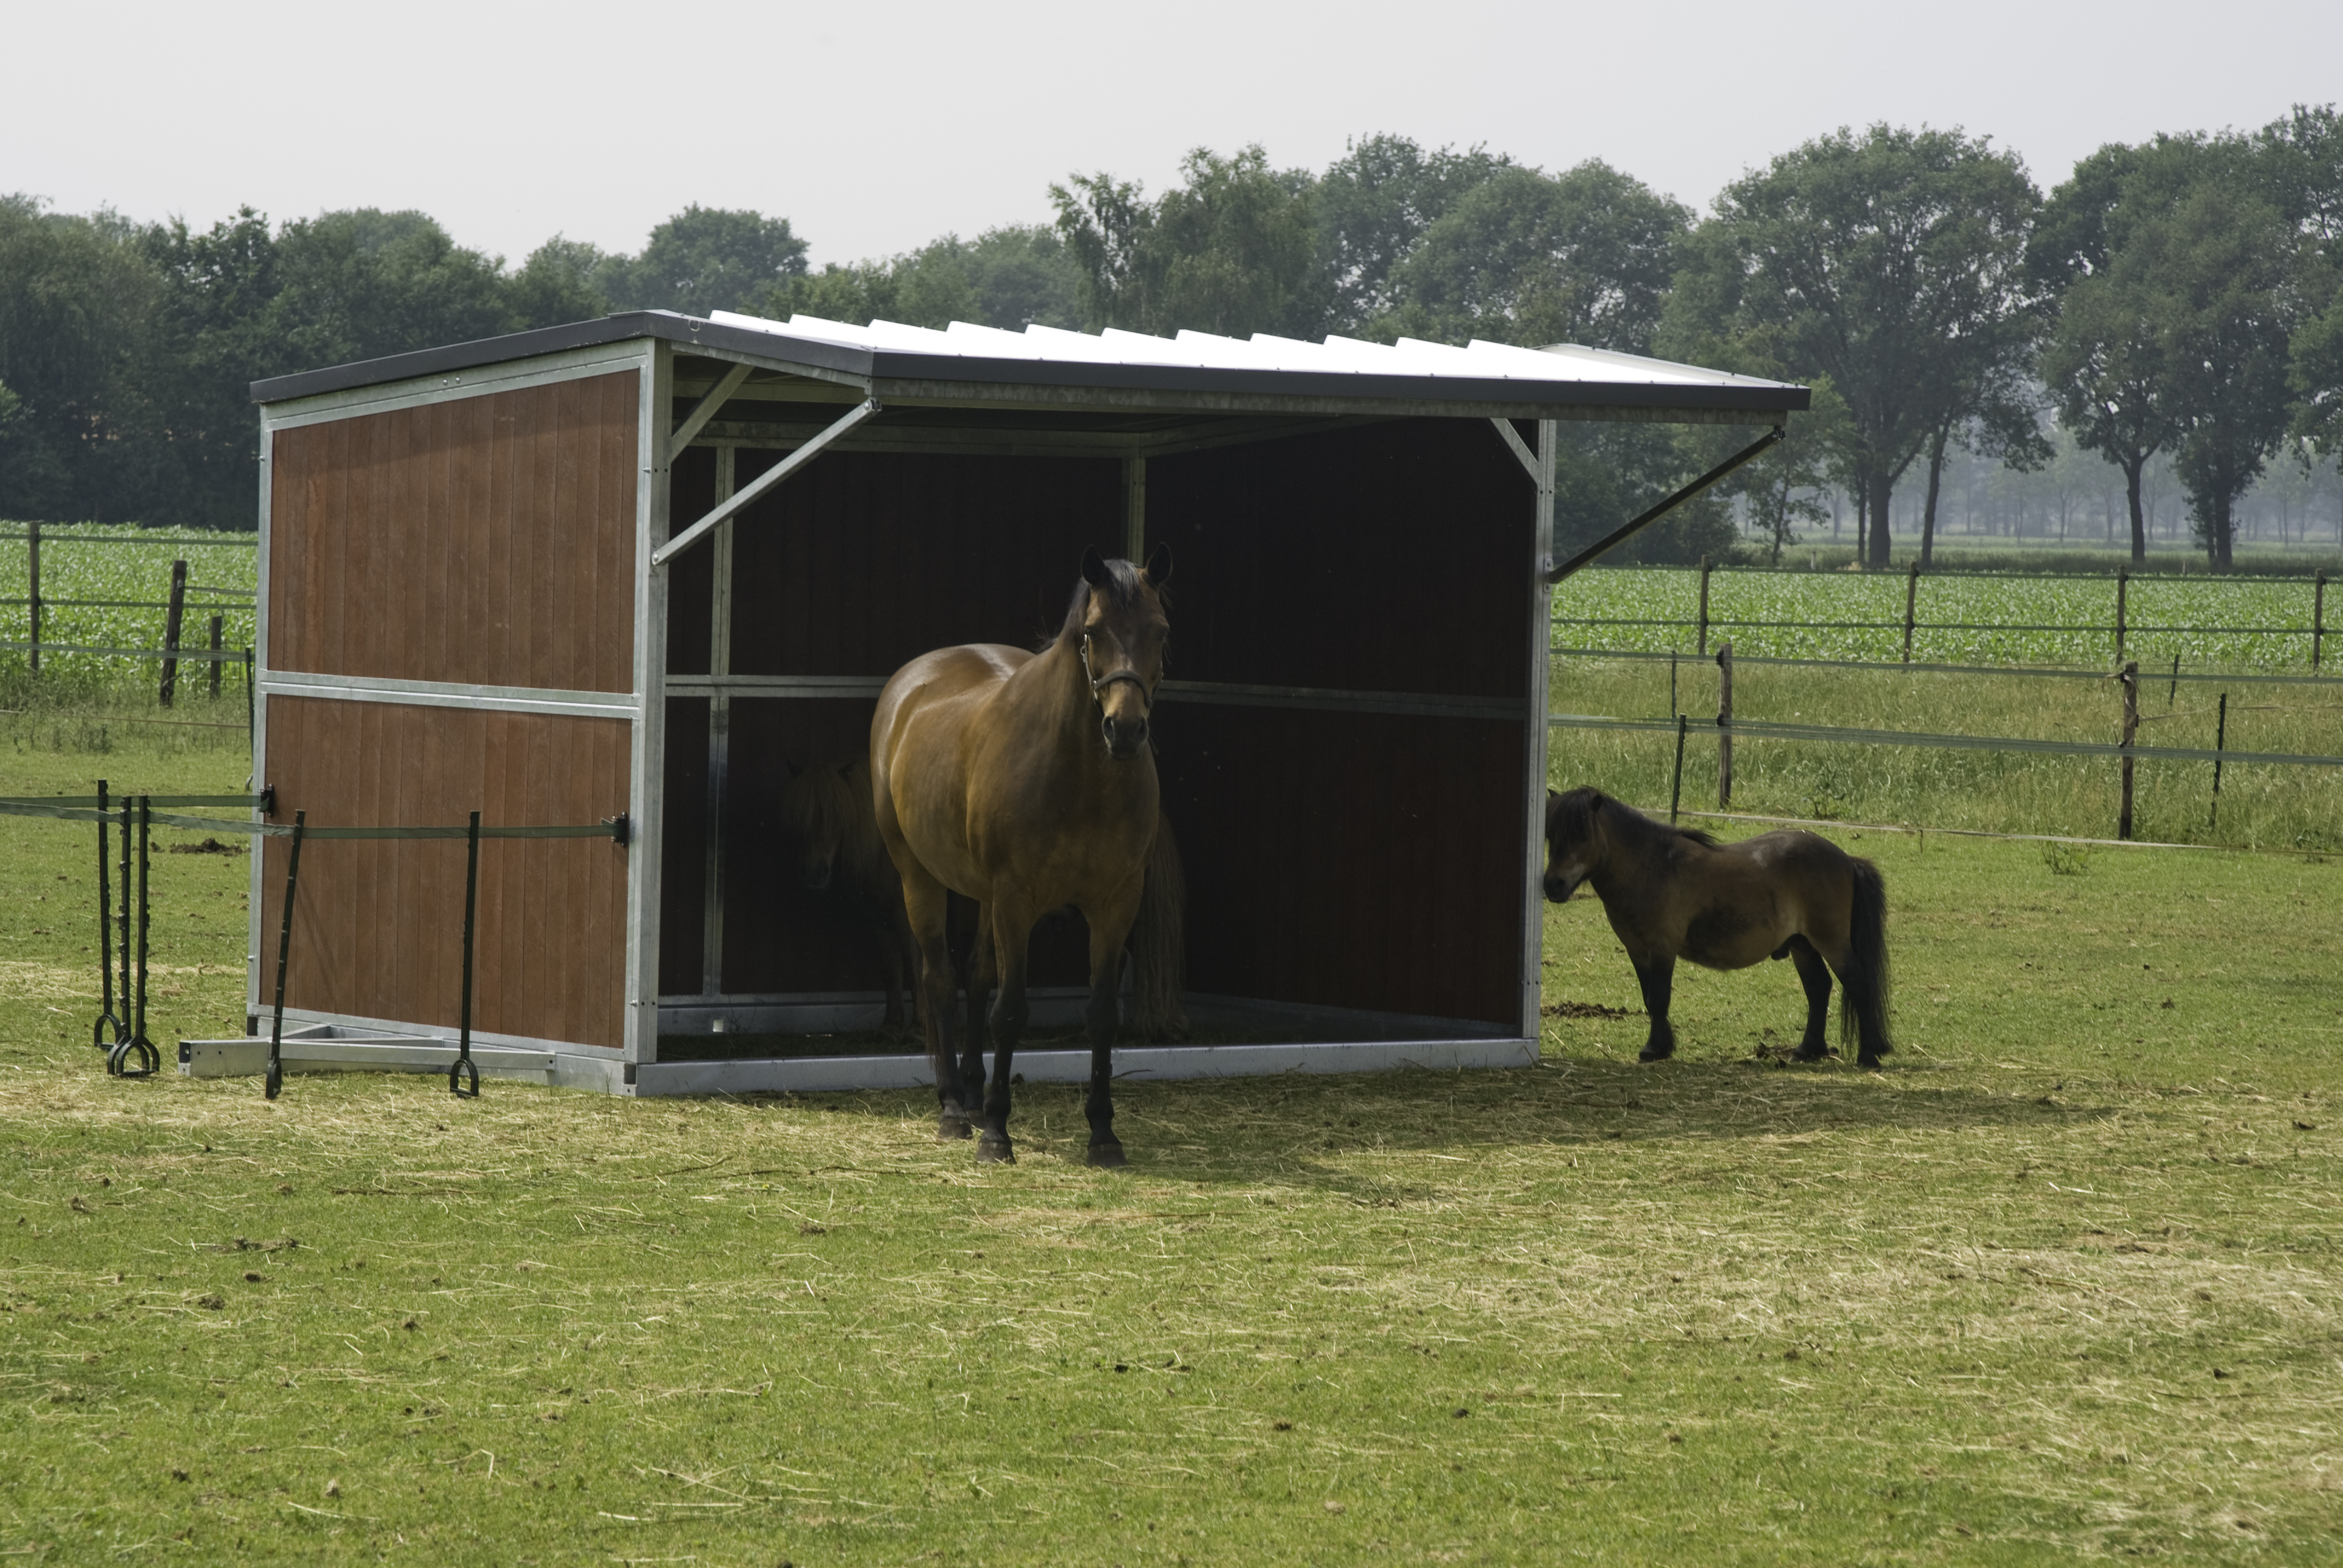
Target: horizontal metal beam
point(756, 488)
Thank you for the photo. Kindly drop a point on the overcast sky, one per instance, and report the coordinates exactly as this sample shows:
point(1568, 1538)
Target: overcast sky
point(875, 128)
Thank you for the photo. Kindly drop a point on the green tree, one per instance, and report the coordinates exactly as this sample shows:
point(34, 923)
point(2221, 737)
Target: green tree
point(559, 281)
point(1583, 256)
point(1232, 250)
point(703, 260)
point(1891, 263)
point(1375, 204)
point(364, 283)
point(215, 335)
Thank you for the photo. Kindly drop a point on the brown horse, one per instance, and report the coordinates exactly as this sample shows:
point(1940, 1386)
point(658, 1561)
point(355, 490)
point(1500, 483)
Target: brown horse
point(1024, 782)
point(832, 837)
point(1670, 892)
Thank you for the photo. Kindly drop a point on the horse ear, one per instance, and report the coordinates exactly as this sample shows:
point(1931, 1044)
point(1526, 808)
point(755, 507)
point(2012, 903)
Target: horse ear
point(1158, 565)
point(1094, 571)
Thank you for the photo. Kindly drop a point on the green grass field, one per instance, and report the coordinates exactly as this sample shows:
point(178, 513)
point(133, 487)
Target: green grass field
point(2063, 1281)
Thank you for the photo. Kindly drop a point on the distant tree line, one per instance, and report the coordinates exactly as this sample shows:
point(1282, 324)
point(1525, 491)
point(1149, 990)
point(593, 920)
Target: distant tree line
point(2179, 301)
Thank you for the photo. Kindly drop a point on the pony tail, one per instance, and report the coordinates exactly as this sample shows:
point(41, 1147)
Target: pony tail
point(1158, 943)
point(1863, 1017)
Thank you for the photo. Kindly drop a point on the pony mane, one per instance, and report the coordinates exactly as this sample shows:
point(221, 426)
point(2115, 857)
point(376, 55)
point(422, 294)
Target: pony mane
point(819, 806)
point(1571, 818)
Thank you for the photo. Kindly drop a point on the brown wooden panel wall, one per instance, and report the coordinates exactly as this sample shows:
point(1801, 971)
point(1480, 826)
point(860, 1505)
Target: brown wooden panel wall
point(378, 926)
point(487, 540)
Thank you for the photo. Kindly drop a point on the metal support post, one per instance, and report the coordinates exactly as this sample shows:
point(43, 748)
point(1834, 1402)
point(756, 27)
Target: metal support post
point(719, 735)
point(273, 1082)
point(463, 1064)
point(764, 482)
point(137, 1048)
point(122, 914)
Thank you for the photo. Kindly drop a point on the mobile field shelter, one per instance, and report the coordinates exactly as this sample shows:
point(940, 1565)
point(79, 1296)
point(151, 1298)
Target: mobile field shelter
point(627, 569)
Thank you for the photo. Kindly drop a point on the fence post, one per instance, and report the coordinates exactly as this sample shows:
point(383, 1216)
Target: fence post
point(2220, 740)
point(2130, 729)
point(1675, 791)
point(34, 542)
point(1911, 593)
point(1702, 648)
point(1671, 680)
point(2173, 695)
point(272, 1082)
point(171, 630)
point(105, 1018)
point(463, 1063)
point(2318, 617)
point(2123, 592)
point(216, 658)
point(1725, 726)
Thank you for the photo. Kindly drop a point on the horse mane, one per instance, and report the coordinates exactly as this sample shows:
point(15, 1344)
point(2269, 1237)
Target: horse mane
point(1123, 585)
point(1574, 815)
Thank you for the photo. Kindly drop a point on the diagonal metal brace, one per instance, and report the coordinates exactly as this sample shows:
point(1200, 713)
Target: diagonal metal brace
point(763, 482)
point(1626, 531)
point(705, 409)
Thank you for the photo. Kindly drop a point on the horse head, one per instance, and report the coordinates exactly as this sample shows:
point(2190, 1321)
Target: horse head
point(817, 817)
point(1120, 629)
point(1573, 840)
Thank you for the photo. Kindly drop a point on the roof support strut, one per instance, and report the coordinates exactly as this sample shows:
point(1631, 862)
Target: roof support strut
point(1621, 533)
point(704, 410)
point(763, 482)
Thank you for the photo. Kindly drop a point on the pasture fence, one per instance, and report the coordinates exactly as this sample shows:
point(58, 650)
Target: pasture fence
point(125, 931)
point(176, 607)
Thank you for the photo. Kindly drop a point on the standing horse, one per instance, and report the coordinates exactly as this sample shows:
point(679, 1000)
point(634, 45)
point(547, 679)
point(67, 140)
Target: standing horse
point(1024, 782)
point(833, 838)
point(1671, 892)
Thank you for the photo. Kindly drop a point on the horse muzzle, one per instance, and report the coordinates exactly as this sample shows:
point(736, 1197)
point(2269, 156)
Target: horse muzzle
point(1559, 888)
point(815, 874)
point(1125, 739)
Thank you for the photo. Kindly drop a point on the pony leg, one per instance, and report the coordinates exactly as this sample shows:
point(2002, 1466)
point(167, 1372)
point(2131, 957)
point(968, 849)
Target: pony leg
point(1657, 975)
point(1814, 975)
point(1011, 934)
point(923, 902)
point(1106, 978)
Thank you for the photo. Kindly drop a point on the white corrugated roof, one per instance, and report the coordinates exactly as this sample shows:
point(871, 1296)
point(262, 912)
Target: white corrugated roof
point(1478, 360)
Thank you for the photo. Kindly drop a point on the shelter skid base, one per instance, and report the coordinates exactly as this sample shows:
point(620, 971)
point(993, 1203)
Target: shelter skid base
point(347, 1047)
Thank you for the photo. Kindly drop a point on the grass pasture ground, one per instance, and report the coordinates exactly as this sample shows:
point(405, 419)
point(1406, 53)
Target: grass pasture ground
point(2065, 1281)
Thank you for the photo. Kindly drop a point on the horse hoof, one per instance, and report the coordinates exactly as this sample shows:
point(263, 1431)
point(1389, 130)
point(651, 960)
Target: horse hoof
point(1811, 1053)
point(1869, 1064)
point(950, 1127)
point(1108, 1156)
point(1656, 1053)
point(994, 1150)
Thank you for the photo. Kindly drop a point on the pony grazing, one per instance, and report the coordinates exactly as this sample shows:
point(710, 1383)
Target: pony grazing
point(827, 821)
point(1024, 782)
point(1670, 893)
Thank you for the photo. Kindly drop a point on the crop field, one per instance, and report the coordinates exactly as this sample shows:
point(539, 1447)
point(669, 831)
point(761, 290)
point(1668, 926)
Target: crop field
point(2066, 1281)
point(118, 572)
point(1644, 595)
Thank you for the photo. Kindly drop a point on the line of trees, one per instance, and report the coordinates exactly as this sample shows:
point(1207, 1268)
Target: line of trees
point(2178, 302)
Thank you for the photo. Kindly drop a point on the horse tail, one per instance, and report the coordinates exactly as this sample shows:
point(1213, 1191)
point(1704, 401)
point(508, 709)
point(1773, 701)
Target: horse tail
point(1158, 943)
point(1863, 1017)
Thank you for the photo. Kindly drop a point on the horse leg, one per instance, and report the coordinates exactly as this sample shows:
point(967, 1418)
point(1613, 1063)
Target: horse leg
point(1657, 975)
point(1814, 975)
point(1106, 980)
point(983, 970)
point(923, 902)
point(1011, 932)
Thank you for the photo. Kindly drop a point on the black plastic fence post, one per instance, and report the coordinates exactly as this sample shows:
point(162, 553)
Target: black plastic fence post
point(2173, 695)
point(137, 1048)
point(1725, 725)
point(2130, 728)
point(1675, 791)
point(1911, 597)
point(463, 1063)
point(122, 917)
point(215, 658)
point(34, 573)
point(2220, 740)
point(172, 616)
point(275, 1080)
point(106, 1020)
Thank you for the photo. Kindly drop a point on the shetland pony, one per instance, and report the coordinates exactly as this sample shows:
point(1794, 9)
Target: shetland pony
point(1671, 892)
